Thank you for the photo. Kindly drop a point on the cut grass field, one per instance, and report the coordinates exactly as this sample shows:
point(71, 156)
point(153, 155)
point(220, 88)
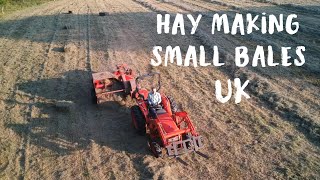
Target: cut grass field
point(43, 66)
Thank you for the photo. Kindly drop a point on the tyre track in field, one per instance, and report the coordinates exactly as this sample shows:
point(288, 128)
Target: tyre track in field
point(18, 32)
point(23, 159)
point(72, 68)
point(81, 154)
point(88, 68)
point(13, 93)
point(102, 62)
point(69, 61)
point(87, 33)
point(83, 62)
point(202, 5)
point(100, 46)
point(15, 27)
point(12, 46)
point(136, 60)
point(94, 157)
point(25, 45)
point(124, 34)
point(131, 36)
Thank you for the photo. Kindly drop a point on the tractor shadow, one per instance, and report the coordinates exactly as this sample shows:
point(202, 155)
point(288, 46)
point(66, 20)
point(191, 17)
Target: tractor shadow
point(63, 119)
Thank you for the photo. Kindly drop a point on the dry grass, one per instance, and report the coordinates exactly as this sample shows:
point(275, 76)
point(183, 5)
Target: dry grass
point(50, 129)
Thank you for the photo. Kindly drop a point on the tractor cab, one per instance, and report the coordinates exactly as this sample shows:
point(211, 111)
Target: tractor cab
point(142, 93)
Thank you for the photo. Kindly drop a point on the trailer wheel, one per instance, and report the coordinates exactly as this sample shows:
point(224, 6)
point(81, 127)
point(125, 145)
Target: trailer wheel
point(138, 120)
point(93, 96)
point(173, 104)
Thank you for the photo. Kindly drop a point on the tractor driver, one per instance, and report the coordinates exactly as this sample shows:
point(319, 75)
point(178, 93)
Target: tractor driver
point(154, 100)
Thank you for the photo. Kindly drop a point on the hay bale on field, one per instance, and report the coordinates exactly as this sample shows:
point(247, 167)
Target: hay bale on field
point(63, 105)
point(102, 13)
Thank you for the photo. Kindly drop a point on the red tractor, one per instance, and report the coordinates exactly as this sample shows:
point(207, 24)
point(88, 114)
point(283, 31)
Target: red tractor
point(168, 129)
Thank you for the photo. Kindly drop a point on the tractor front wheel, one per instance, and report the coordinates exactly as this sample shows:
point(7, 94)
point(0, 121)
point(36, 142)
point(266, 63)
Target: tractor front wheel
point(173, 104)
point(94, 96)
point(155, 148)
point(138, 120)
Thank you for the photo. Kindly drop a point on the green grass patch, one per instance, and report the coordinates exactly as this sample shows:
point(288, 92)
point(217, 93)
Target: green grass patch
point(9, 6)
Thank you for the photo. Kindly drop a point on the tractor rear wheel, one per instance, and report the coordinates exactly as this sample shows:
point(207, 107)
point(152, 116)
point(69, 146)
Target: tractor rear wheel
point(138, 120)
point(173, 104)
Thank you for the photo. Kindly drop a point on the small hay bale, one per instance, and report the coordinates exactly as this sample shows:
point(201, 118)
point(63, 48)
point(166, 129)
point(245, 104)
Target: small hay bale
point(63, 106)
point(102, 13)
